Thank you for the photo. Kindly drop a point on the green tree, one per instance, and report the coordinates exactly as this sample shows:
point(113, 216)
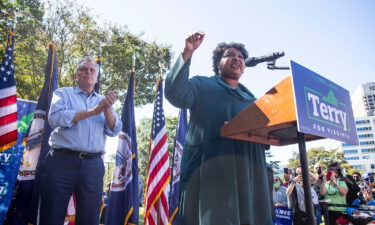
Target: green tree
point(143, 141)
point(108, 175)
point(274, 164)
point(322, 156)
point(30, 45)
point(76, 33)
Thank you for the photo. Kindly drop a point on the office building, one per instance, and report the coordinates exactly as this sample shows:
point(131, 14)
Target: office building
point(362, 157)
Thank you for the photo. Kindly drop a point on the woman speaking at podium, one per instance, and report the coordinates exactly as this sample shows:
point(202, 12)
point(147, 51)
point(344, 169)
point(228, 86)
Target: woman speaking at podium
point(223, 181)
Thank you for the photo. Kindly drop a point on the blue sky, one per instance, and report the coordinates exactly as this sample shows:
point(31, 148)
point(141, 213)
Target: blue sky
point(333, 38)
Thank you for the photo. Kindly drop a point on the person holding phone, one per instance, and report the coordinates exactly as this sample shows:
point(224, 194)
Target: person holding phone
point(318, 168)
point(319, 175)
point(288, 176)
point(296, 196)
point(335, 191)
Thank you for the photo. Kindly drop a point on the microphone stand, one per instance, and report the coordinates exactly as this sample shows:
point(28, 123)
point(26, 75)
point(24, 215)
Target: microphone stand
point(271, 66)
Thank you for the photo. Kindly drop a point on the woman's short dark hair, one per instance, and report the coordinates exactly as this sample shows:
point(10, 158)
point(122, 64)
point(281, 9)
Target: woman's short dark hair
point(333, 165)
point(220, 49)
point(356, 173)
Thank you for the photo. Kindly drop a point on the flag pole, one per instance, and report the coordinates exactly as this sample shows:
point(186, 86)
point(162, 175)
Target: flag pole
point(99, 62)
point(133, 63)
point(133, 69)
point(158, 202)
point(160, 79)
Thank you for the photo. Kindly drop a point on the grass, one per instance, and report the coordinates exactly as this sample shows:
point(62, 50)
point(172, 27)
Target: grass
point(141, 218)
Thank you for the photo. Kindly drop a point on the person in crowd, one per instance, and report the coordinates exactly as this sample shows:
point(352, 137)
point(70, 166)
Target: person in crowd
point(296, 196)
point(279, 193)
point(140, 191)
point(318, 183)
point(335, 191)
point(223, 181)
point(288, 176)
point(81, 119)
point(372, 180)
point(270, 176)
point(368, 179)
point(320, 208)
point(353, 188)
point(365, 198)
point(357, 177)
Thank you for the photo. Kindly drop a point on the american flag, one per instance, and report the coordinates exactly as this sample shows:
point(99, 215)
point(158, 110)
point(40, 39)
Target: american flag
point(8, 99)
point(176, 167)
point(158, 174)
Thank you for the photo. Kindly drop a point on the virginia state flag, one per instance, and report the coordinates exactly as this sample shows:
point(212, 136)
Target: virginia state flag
point(176, 166)
point(37, 143)
point(123, 205)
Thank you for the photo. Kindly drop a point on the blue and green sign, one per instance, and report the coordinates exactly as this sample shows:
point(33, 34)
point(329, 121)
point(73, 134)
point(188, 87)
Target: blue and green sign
point(10, 159)
point(323, 107)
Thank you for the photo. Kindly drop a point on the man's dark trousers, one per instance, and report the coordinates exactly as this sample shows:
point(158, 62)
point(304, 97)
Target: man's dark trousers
point(64, 174)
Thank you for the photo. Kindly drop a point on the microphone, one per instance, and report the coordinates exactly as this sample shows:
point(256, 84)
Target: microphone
point(253, 61)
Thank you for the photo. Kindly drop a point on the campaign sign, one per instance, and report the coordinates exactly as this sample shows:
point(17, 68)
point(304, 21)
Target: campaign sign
point(323, 108)
point(10, 159)
point(283, 216)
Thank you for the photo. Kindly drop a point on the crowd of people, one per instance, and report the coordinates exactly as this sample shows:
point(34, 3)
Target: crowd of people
point(338, 198)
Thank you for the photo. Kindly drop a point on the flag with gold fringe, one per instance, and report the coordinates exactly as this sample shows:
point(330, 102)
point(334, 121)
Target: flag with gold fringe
point(176, 167)
point(158, 171)
point(123, 204)
point(37, 143)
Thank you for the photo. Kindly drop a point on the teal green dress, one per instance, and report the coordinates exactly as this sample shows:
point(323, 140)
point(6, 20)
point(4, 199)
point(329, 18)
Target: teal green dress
point(223, 181)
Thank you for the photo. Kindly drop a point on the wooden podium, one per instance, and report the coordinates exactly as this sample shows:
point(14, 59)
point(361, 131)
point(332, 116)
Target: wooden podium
point(269, 120)
point(272, 120)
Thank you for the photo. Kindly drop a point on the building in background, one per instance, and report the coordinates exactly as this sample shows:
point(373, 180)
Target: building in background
point(363, 100)
point(362, 157)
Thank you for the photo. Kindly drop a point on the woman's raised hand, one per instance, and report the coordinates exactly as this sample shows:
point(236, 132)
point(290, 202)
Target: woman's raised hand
point(192, 42)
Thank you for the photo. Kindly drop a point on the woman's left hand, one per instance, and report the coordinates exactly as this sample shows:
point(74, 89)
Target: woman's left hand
point(333, 180)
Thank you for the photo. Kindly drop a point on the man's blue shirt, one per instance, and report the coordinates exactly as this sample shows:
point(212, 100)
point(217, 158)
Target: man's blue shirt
point(87, 135)
point(360, 201)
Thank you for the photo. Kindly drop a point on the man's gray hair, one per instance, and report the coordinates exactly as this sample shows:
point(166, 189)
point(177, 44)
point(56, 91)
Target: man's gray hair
point(87, 59)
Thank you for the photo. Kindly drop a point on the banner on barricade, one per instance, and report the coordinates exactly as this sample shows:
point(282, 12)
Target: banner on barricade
point(283, 216)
